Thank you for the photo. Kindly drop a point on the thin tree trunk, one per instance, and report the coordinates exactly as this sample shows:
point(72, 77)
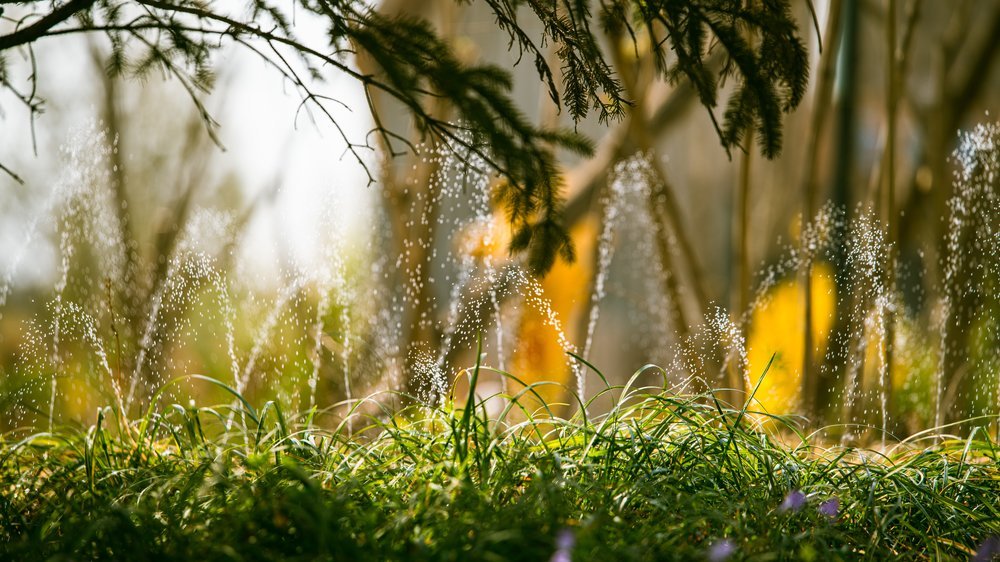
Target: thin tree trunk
point(811, 378)
point(889, 216)
point(839, 346)
point(413, 212)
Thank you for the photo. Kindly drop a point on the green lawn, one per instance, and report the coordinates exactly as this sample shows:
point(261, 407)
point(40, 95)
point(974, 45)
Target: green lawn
point(660, 477)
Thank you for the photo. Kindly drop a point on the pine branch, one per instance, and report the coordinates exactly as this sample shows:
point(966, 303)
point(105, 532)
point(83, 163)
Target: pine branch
point(37, 30)
point(416, 66)
point(772, 77)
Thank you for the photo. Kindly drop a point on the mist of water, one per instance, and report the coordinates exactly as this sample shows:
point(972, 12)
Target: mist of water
point(476, 294)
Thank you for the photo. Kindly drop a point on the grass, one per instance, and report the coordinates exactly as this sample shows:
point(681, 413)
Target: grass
point(658, 477)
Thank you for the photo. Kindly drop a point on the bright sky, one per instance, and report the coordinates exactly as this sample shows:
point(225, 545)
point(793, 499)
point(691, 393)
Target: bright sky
point(258, 128)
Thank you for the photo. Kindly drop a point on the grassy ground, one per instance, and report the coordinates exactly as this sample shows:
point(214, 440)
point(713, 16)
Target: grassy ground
point(661, 477)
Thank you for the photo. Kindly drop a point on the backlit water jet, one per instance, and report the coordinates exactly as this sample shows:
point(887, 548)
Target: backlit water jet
point(971, 268)
point(336, 329)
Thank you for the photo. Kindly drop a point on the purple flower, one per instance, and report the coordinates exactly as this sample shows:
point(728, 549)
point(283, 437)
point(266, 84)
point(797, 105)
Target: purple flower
point(561, 556)
point(565, 541)
point(988, 551)
point(721, 550)
point(830, 508)
point(793, 501)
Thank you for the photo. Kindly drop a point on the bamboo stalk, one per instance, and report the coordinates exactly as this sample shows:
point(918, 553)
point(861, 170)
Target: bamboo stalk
point(824, 92)
point(888, 211)
point(742, 256)
point(740, 291)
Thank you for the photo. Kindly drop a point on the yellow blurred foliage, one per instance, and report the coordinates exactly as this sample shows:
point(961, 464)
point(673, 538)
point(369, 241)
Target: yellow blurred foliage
point(538, 355)
point(777, 326)
point(77, 397)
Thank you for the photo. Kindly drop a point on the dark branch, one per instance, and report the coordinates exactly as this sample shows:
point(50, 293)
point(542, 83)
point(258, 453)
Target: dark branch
point(38, 29)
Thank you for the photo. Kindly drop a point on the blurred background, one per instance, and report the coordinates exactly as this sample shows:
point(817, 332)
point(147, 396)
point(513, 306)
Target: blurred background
point(138, 249)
